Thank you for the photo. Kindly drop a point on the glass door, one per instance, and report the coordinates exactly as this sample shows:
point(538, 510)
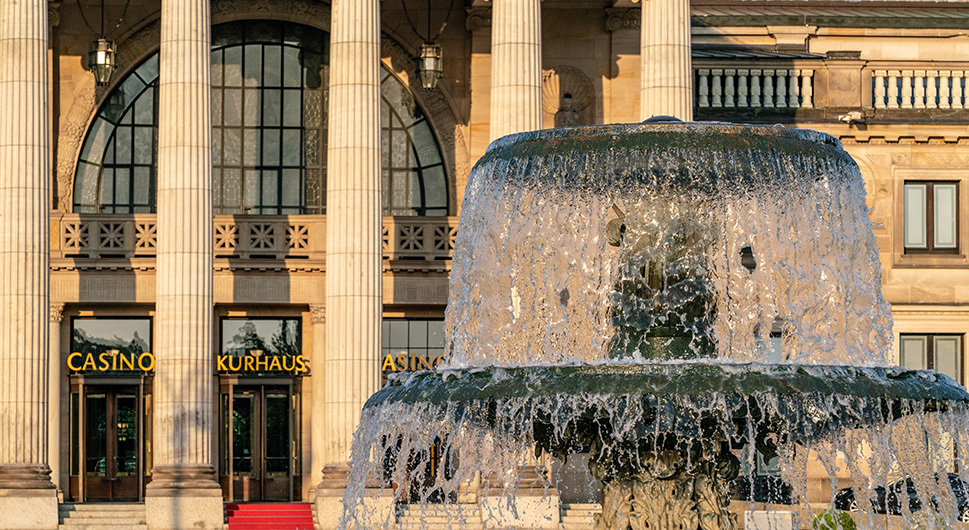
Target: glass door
point(257, 440)
point(111, 457)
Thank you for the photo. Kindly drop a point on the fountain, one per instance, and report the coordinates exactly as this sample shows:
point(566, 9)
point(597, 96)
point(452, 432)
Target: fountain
point(672, 299)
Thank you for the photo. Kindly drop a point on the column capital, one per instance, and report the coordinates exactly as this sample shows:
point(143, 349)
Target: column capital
point(318, 313)
point(53, 14)
point(56, 312)
point(618, 18)
point(477, 18)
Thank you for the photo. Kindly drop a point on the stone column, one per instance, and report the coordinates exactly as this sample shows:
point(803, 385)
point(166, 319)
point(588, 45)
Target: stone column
point(183, 492)
point(516, 67)
point(318, 434)
point(667, 84)
point(54, 397)
point(27, 495)
point(354, 268)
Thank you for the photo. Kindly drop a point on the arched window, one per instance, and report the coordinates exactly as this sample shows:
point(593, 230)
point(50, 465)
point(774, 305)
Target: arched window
point(269, 129)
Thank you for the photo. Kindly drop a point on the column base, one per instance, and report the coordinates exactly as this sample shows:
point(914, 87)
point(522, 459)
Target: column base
point(376, 510)
point(329, 496)
point(184, 496)
point(28, 499)
point(536, 504)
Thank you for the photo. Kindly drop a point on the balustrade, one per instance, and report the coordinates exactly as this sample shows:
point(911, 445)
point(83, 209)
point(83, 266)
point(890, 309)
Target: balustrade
point(100, 237)
point(755, 88)
point(919, 89)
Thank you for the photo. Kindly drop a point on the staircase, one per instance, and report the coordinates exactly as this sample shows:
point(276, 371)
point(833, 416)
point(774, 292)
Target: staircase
point(98, 516)
point(297, 516)
point(440, 517)
point(578, 516)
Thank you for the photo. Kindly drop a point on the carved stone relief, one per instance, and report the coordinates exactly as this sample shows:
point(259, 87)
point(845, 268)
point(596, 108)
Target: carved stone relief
point(623, 18)
point(568, 96)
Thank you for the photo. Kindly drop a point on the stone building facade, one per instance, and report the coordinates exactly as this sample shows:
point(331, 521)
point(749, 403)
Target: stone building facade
point(210, 260)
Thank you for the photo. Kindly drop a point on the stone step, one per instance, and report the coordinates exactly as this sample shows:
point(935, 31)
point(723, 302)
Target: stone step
point(101, 507)
point(102, 527)
point(441, 520)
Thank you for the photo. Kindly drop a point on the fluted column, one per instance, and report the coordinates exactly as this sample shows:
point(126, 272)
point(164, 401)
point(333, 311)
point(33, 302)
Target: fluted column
point(516, 67)
point(667, 82)
point(27, 496)
point(183, 487)
point(354, 295)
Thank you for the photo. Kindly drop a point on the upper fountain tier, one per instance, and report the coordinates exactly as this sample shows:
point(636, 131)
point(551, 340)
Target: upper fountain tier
point(658, 241)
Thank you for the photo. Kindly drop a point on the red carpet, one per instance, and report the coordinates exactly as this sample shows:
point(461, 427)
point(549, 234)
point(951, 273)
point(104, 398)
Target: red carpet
point(269, 516)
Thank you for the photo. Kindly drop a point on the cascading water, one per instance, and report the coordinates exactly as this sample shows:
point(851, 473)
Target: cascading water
point(673, 299)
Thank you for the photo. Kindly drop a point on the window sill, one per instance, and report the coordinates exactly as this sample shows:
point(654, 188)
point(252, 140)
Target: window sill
point(929, 261)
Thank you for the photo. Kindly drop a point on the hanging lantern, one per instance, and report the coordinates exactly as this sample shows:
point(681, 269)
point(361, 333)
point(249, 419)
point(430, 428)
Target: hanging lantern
point(429, 65)
point(100, 60)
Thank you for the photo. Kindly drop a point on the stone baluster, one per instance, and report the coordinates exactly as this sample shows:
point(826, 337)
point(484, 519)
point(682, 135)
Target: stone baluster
point(944, 93)
point(781, 88)
point(27, 495)
point(907, 89)
point(807, 88)
point(717, 88)
point(768, 88)
point(729, 92)
point(354, 288)
point(931, 89)
point(792, 88)
point(893, 78)
point(183, 492)
point(880, 88)
point(516, 67)
point(918, 78)
point(666, 83)
point(755, 94)
point(958, 91)
point(743, 92)
point(703, 91)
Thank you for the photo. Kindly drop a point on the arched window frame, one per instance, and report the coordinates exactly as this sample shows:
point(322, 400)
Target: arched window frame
point(414, 174)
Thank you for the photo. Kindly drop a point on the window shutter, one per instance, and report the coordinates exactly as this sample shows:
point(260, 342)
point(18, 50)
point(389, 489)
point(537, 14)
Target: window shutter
point(944, 196)
point(912, 352)
point(948, 353)
point(915, 216)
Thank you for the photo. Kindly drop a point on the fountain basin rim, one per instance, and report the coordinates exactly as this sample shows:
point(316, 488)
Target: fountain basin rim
point(705, 137)
point(694, 379)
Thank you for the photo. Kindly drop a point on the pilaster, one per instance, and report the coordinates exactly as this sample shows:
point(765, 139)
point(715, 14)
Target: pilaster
point(27, 495)
point(667, 74)
point(54, 398)
point(318, 432)
point(516, 67)
point(183, 492)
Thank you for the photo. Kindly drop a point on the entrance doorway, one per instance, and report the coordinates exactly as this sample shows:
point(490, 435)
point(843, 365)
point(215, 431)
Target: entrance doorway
point(259, 440)
point(107, 431)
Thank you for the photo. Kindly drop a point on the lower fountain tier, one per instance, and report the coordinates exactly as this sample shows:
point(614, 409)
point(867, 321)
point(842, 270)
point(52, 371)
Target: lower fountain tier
point(689, 400)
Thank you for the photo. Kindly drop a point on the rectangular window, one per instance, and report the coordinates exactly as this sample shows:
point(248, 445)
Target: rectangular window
point(931, 217)
point(942, 353)
point(411, 345)
point(261, 336)
point(124, 340)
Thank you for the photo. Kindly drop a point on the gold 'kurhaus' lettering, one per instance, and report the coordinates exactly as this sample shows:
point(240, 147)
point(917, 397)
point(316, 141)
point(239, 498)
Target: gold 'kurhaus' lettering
point(263, 363)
